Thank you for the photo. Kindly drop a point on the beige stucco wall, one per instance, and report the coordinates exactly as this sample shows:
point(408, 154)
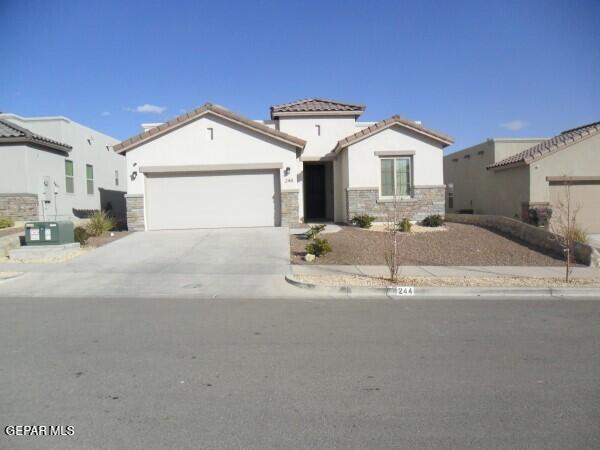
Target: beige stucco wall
point(364, 164)
point(23, 168)
point(580, 159)
point(488, 191)
point(231, 144)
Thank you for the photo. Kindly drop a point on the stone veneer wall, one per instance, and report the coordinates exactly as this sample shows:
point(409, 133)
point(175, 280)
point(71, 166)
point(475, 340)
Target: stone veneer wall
point(427, 200)
point(135, 212)
point(535, 236)
point(289, 208)
point(19, 206)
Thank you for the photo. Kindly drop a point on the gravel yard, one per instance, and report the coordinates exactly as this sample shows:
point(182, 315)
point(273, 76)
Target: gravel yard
point(358, 280)
point(460, 245)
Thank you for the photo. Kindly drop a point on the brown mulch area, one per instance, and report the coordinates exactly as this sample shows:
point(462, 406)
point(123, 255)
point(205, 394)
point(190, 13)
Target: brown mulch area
point(99, 241)
point(461, 245)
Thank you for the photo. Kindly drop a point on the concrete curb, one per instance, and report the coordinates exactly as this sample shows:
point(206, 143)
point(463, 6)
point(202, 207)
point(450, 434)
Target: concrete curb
point(12, 277)
point(451, 292)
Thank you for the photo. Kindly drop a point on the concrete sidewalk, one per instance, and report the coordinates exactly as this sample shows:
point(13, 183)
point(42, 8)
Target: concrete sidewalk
point(447, 271)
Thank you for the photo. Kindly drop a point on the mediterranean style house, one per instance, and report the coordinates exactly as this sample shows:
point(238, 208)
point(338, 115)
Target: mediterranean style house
point(512, 177)
point(312, 161)
point(53, 168)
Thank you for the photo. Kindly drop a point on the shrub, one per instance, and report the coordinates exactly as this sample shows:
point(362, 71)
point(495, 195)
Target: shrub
point(81, 235)
point(578, 234)
point(404, 225)
point(318, 247)
point(314, 231)
point(433, 221)
point(99, 224)
point(6, 222)
point(363, 221)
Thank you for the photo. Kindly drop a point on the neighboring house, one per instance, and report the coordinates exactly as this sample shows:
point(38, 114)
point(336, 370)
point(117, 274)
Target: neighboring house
point(55, 169)
point(509, 177)
point(311, 162)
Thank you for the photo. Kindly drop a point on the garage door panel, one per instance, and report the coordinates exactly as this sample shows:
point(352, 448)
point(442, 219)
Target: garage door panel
point(226, 199)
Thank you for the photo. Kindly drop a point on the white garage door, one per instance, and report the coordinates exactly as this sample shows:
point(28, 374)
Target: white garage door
point(212, 200)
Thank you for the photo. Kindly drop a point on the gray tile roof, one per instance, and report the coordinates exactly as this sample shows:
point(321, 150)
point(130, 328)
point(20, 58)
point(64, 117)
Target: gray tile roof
point(12, 133)
point(309, 105)
point(183, 119)
point(387, 123)
point(552, 145)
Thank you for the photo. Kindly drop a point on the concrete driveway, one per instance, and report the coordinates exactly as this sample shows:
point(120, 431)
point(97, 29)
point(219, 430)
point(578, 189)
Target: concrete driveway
point(228, 251)
point(215, 263)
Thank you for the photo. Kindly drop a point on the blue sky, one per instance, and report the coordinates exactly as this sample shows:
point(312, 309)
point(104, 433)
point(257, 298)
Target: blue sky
point(471, 69)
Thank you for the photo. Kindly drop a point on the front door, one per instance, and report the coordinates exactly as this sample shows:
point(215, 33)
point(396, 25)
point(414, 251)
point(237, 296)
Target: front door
point(314, 191)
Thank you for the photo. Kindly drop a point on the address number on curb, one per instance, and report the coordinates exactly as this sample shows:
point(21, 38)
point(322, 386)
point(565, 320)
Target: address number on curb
point(405, 290)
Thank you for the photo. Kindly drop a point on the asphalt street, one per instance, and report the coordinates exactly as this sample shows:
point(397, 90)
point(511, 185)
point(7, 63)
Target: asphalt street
point(141, 373)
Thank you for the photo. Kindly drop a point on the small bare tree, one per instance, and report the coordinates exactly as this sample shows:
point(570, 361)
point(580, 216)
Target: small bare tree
point(393, 240)
point(564, 225)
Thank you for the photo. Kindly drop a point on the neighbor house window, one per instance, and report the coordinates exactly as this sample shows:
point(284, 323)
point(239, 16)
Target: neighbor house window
point(396, 177)
point(89, 176)
point(116, 177)
point(450, 200)
point(69, 181)
point(318, 128)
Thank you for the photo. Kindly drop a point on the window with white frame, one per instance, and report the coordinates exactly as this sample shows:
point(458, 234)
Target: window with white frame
point(69, 177)
point(396, 176)
point(116, 177)
point(89, 176)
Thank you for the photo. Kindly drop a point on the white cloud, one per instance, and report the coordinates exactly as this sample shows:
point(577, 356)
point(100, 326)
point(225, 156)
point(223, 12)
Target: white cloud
point(147, 108)
point(105, 113)
point(514, 125)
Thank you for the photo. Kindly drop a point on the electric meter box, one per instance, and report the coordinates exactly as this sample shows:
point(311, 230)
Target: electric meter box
point(49, 233)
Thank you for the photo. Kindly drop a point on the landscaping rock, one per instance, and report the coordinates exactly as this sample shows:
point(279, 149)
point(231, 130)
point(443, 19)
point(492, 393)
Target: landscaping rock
point(309, 257)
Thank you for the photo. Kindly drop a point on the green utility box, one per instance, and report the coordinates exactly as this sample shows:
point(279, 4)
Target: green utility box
point(49, 233)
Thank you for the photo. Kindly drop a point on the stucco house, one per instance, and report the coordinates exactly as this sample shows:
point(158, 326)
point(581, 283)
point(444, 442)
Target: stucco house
point(509, 177)
point(312, 161)
point(53, 168)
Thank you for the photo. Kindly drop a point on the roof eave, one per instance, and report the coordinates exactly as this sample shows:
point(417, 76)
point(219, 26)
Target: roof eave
point(316, 113)
point(341, 145)
point(40, 142)
point(182, 120)
point(507, 166)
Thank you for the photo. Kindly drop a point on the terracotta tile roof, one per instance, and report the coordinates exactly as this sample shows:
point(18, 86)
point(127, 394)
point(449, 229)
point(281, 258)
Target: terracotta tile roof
point(12, 133)
point(387, 123)
point(552, 145)
point(207, 108)
point(309, 105)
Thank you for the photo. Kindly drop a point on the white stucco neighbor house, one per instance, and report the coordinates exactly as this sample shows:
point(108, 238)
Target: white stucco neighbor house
point(53, 168)
point(312, 161)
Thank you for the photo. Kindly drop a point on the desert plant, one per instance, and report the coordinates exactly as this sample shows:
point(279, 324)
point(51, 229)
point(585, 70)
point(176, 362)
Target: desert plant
point(314, 231)
point(578, 234)
point(404, 225)
point(393, 239)
point(318, 247)
point(6, 222)
point(81, 235)
point(99, 224)
point(363, 220)
point(434, 220)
